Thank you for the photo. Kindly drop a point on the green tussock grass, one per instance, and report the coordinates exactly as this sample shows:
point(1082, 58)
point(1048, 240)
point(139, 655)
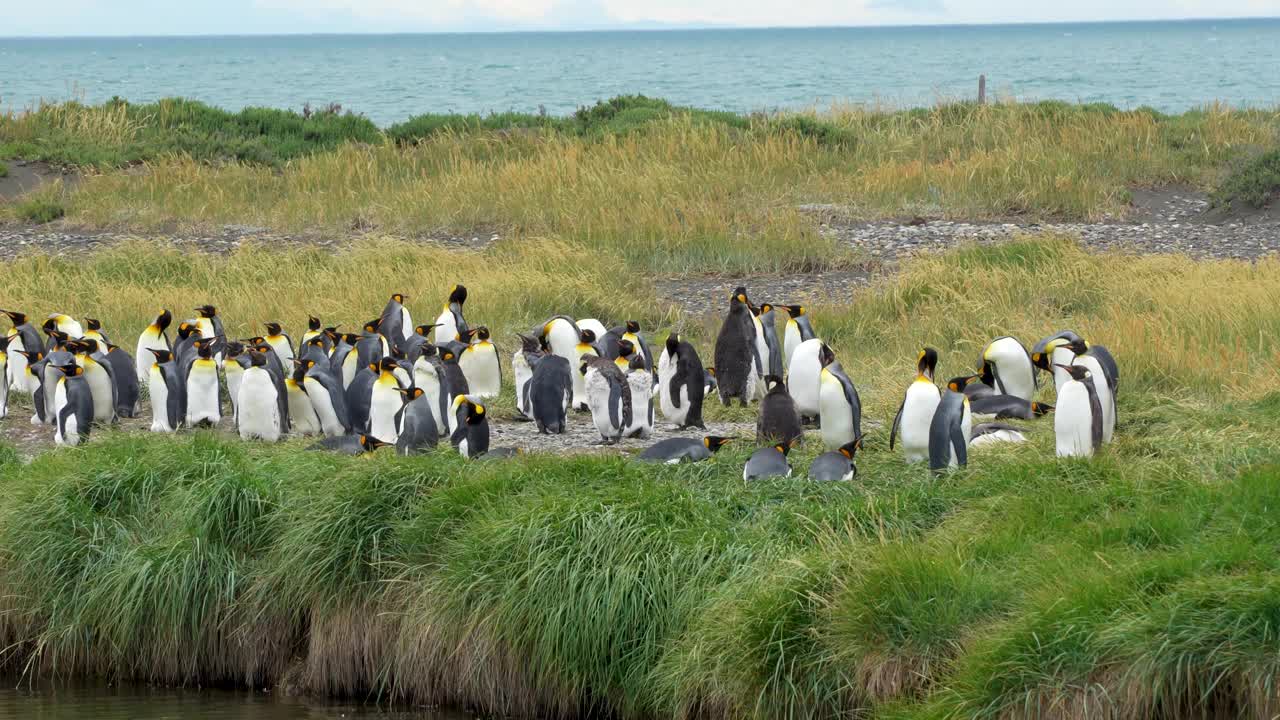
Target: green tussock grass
point(1138, 583)
point(1252, 185)
point(4, 170)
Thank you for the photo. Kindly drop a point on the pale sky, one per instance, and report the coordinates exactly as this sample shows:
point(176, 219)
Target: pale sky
point(217, 17)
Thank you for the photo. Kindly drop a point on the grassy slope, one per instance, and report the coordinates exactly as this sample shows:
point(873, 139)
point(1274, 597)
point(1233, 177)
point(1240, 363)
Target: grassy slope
point(667, 189)
point(1140, 583)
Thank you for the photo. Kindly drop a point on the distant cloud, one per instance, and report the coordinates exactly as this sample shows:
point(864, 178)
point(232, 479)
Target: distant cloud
point(923, 7)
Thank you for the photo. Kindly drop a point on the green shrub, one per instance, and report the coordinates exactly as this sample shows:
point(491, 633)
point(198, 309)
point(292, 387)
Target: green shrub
point(1254, 184)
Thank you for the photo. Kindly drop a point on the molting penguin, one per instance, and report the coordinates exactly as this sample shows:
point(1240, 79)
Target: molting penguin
point(549, 393)
point(416, 426)
point(328, 398)
point(805, 378)
point(915, 414)
point(522, 362)
point(673, 451)
point(479, 362)
point(767, 323)
point(778, 421)
point(1006, 366)
point(167, 391)
point(385, 403)
point(428, 377)
point(203, 388)
point(1078, 418)
point(395, 323)
point(839, 407)
point(349, 444)
point(996, 433)
point(471, 437)
point(280, 343)
point(73, 407)
point(259, 406)
point(23, 337)
point(796, 331)
point(737, 362)
point(768, 462)
point(835, 465)
point(303, 419)
point(681, 383)
point(640, 381)
point(584, 350)
point(949, 432)
point(608, 397)
point(451, 326)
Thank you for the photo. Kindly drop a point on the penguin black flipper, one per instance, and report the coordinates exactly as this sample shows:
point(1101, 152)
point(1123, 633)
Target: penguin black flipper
point(101, 358)
point(1095, 410)
point(628, 407)
point(958, 444)
point(850, 397)
point(615, 403)
point(897, 421)
point(1108, 363)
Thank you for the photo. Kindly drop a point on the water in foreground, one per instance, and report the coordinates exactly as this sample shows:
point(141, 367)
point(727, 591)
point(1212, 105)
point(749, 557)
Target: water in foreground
point(1169, 65)
point(136, 702)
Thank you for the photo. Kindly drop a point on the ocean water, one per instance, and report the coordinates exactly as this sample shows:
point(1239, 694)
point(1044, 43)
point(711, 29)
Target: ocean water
point(1168, 65)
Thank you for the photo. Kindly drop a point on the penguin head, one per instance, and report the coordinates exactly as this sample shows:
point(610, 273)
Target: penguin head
point(637, 363)
point(313, 323)
point(15, 317)
point(316, 342)
point(449, 356)
point(186, 330)
point(255, 342)
point(1077, 346)
point(88, 346)
point(398, 353)
point(794, 311)
point(475, 413)
point(371, 443)
point(32, 356)
point(1041, 359)
point(4, 344)
point(587, 337)
point(427, 350)
point(958, 384)
point(849, 449)
point(774, 383)
point(256, 359)
point(715, 442)
point(350, 338)
point(332, 333)
point(204, 348)
point(372, 326)
point(70, 369)
point(388, 364)
point(162, 356)
point(711, 371)
point(273, 328)
point(739, 297)
point(424, 330)
point(163, 319)
point(299, 371)
point(927, 363)
point(988, 373)
point(234, 349)
point(633, 327)
point(766, 308)
point(411, 393)
point(208, 312)
point(481, 333)
point(582, 369)
point(826, 355)
point(58, 337)
point(784, 448)
point(529, 344)
point(458, 294)
point(93, 324)
point(673, 344)
point(50, 325)
point(1038, 408)
point(625, 348)
point(1077, 372)
point(399, 297)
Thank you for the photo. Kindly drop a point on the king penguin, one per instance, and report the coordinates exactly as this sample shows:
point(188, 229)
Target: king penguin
point(360, 396)
point(804, 379)
point(234, 362)
point(839, 407)
point(123, 370)
point(313, 331)
point(673, 451)
point(203, 388)
point(23, 337)
point(97, 373)
point(608, 397)
point(428, 377)
point(168, 409)
point(1101, 367)
point(328, 398)
point(93, 331)
point(416, 428)
point(768, 462)
point(640, 381)
point(681, 383)
point(771, 360)
point(451, 325)
point(1077, 418)
point(796, 331)
point(396, 324)
point(522, 362)
point(259, 404)
point(73, 406)
point(550, 391)
point(585, 349)
point(479, 362)
point(915, 414)
point(949, 432)
point(280, 342)
point(1006, 366)
point(778, 421)
point(1052, 351)
point(385, 403)
point(303, 419)
point(835, 465)
point(737, 361)
point(471, 437)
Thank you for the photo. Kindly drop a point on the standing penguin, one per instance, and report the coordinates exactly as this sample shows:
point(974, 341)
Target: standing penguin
point(278, 375)
point(184, 348)
point(360, 395)
point(839, 407)
point(73, 407)
point(93, 331)
point(451, 326)
point(23, 338)
point(313, 331)
point(1101, 374)
point(395, 325)
point(97, 373)
point(522, 368)
point(203, 388)
point(548, 394)
point(1006, 366)
point(673, 451)
point(123, 370)
point(416, 428)
point(631, 333)
point(804, 380)
point(280, 343)
point(210, 324)
point(640, 380)
point(949, 432)
point(345, 361)
point(372, 346)
point(681, 383)
point(768, 462)
point(778, 422)
point(835, 465)
point(428, 377)
point(479, 362)
point(915, 414)
point(45, 378)
point(767, 322)
point(737, 361)
point(259, 402)
point(1078, 418)
point(235, 362)
point(328, 398)
point(584, 350)
point(385, 403)
point(454, 382)
point(303, 419)
point(796, 331)
point(167, 391)
point(155, 337)
point(471, 437)
point(608, 397)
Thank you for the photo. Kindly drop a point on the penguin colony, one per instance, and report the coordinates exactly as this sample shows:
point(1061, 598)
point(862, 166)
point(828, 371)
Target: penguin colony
point(397, 384)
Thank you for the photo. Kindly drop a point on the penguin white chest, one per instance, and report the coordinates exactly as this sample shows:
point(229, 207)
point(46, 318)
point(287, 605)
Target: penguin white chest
point(598, 392)
point(667, 402)
point(159, 401)
point(523, 374)
point(641, 425)
point(1014, 371)
point(102, 390)
point(322, 405)
point(579, 381)
point(1073, 421)
point(446, 327)
point(791, 340)
point(203, 403)
point(1105, 398)
point(259, 407)
point(917, 415)
point(479, 363)
point(302, 413)
point(67, 433)
point(234, 375)
point(803, 380)
point(836, 413)
point(427, 377)
point(384, 403)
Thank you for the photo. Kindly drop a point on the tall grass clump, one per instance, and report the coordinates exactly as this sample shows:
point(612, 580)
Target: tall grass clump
point(1252, 185)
